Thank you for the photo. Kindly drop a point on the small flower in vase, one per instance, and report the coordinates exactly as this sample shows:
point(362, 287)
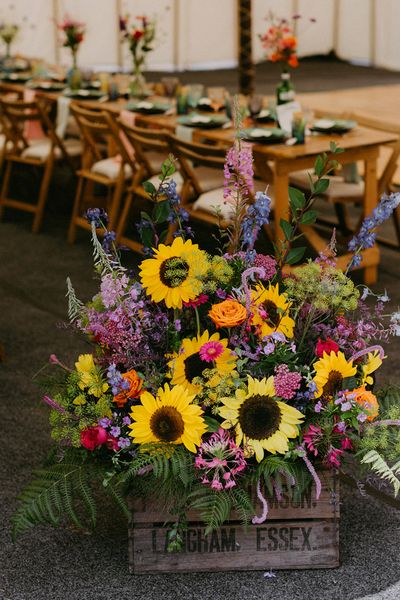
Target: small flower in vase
point(8, 33)
point(74, 33)
point(280, 44)
point(139, 35)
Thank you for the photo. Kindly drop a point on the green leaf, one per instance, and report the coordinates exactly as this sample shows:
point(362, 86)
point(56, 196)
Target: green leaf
point(321, 186)
point(212, 424)
point(335, 148)
point(287, 228)
point(147, 237)
point(297, 199)
point(311, 182)
point(349, 383)
point(161, 211)
point(145, 216)
point(294, 255)
point(149, 188)
point(309, 217)
point(319, 166)
point(167, 168)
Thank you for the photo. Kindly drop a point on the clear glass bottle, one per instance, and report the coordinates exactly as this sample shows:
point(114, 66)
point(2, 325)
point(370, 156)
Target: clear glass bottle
point(285, 90)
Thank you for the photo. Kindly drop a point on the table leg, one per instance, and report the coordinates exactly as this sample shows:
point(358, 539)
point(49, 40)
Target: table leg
point(370, 201)
point(281, 207)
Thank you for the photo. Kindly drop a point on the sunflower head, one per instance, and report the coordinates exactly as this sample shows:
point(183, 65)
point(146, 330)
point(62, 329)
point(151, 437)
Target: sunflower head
point(271, 311)
point(262, 423)
point(174, 274)
point(198, 354)
point(168, 418)
point(330, 370)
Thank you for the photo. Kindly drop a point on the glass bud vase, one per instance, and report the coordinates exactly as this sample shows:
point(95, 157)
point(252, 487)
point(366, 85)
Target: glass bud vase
point(137, 85)
point(74, 76)
point(285, 91)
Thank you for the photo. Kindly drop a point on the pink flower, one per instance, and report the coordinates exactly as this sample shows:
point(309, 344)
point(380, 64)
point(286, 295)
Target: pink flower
point(346, 444)
point(312, 437)
point(327, 346)
point(268, 263)
point(210, 351)
point(286, 382)
point(92, 437)
point(220, 460)
point(202, 299)
point(333, 457)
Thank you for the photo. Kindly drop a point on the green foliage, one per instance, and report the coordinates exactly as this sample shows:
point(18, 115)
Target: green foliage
point(75, 306)
point(214, 507)
point(103, 263)
point(379, 466)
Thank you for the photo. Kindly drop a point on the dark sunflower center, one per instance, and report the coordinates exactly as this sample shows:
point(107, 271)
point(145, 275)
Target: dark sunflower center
point(333, 385)
point(194, 366)
point(271, 309)
point(259, 417)
point(167, 424)
point(174, 271)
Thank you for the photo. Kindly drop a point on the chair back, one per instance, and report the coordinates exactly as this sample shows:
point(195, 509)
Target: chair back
point(15, 116)
point(191, 155)
point(146, 143)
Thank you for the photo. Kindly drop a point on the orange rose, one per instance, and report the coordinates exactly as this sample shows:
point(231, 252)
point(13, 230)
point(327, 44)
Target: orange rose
point(293, 62)
point(133, 391)
point(228, 313)
point(367, 400)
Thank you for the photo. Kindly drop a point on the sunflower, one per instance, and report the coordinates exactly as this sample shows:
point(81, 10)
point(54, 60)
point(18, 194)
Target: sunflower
point(373, 363)
point(173, 275)
point(193, 358)
point(169, 418)
point(330, 370)
point(271, 311)
point(261, 421)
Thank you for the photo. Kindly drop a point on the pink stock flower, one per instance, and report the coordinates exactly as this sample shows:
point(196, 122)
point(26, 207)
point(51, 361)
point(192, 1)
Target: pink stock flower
point(211, 351)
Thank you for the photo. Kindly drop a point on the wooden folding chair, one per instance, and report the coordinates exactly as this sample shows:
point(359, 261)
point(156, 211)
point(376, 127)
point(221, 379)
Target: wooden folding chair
point(40, 154)
point(342, 194)
point(105, 161)
point(150, 149)
point(204, 205)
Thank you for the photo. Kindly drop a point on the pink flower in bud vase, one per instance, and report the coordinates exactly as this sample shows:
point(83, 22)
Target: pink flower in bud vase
point(92, 437)
point(327, 346)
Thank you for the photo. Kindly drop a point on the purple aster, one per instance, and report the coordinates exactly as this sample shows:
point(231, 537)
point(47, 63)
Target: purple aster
point(115, 431)
point(124, 442)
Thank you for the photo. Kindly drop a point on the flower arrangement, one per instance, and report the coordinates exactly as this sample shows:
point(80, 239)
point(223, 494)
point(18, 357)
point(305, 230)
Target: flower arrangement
point(139, 35)
point(73, 35)
point(210, 374)
point(280, 42)
point(8, 33)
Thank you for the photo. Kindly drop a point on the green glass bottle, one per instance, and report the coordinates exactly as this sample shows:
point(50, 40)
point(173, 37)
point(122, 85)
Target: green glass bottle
point(285, 90)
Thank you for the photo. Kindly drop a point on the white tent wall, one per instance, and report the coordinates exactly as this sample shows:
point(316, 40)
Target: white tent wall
point(195, 34)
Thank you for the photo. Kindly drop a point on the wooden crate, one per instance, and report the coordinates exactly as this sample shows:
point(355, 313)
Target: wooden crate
point(296, 535)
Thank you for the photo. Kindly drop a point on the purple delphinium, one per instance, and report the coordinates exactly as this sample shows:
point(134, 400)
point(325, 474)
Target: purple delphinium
point(256, 216)
point(366, 237)
point(98, 216)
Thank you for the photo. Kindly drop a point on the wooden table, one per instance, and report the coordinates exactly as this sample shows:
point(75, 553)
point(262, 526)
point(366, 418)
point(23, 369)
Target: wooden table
point(361, 144)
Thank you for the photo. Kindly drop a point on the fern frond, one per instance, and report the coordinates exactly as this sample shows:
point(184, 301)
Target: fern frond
point(379, 466)
point(214, 507)
point(116, 495)
point(242, 503)
point(52, 495)
point(75, 306)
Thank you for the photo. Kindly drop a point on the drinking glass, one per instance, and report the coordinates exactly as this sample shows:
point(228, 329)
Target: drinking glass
point(195, 92)
point(170, 85)
point(255, 104)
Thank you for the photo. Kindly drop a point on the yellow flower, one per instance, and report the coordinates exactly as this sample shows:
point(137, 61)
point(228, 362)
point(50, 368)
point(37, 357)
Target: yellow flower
point(85, 363)
point(188, 363)
point(373, 363)
point(271, 311)
point(330, 370)
point(79, 400)
point(90, 378)
point(261, 422)
point(173, 275)
point(169, 418)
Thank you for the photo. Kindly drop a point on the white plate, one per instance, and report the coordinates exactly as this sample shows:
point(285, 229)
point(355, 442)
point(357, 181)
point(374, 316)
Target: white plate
point(256, 133)
point(144, 104)
point(324, 123)
point(200, 119)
